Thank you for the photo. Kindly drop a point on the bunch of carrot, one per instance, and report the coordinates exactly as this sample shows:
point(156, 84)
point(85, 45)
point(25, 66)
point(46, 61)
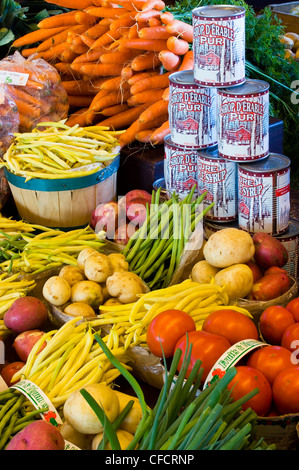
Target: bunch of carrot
point(40, 96)
point(115, 61)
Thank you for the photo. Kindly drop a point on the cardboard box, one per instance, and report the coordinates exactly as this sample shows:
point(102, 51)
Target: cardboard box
point(290, 21)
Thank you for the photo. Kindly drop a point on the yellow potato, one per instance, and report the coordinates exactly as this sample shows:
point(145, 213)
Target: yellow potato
point(71, 274)
point(79, 309)
point(88, 292)
point(124, 438)
point(134, 416)
point(238, 278)
point(203, 272)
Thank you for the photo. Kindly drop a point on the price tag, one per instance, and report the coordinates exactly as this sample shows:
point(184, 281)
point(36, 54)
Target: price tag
point(13, 78)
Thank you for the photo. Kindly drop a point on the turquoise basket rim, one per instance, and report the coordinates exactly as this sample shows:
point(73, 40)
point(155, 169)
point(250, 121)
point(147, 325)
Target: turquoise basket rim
point(65, 184)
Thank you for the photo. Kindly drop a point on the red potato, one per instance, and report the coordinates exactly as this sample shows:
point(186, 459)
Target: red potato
point(26, 313)
point(270, 287)
point(136, 211)
point(25, 341)
point(256, 271)
point(9, 370)
point(124, 232)
point(37, 435)
point(274, 269)
point(269, 251)
point(105, 217)
point(131, 195)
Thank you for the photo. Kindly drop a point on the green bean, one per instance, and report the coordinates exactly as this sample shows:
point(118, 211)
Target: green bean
point(15, 406)
point(8, 431)
point(31, 414)
point(7, 406)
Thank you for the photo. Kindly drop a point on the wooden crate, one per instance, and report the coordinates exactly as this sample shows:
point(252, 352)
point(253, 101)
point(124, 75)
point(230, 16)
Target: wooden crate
point(290, 21)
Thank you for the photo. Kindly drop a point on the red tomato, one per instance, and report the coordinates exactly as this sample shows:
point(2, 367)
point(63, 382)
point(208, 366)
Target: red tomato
point(233, 325)
point(247, 379)
point(293, 307)
point(290, 340)
point(273, 322)
point(207, 347)
point(286, 391)
point(271, 360)
point(165, 330)
point(9, 370)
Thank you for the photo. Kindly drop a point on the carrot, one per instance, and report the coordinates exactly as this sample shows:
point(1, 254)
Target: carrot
point(106, 38)
point(28, 52)
point(70, 3)
point(154, 22)
point(58, 38)
point(111, 84)
point(177, 46)
point(166, 17)
point(178, 27)
point(169, 60)
point(147, 60)
point(109, 99)
point(153, 45)
point(160, 133)
point(133, 32)
point(133, 5)
point(126, 72)
point(165, 95)
point(80, 101)
point(124, 21)
point(21, 93)
point(64, 19)
point(130, 133)
point(96, 31)
point(65, 69)
point(68, 55)
point(154, 32)
point(188, 61)
point(54, 52)
point(36, 36)
point(106, 12)
point(158, 81)
point(158, 108)
point(141, 75)
point(144, 136)
point(82, 17)
point(26, 109)
point(125, 118)
point(81, 87)
point(78, 117)
point(118, 57)
point(147, 14)
point(89, 56)
point(153, 4)
point(115, 109)
point(144, 96)
point(93, 69)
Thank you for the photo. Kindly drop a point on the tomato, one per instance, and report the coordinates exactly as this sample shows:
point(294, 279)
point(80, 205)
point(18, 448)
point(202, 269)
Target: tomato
point(286, 391)
point(207, 347)
point(233, 325)
point(290, 340)
point(270, 360)
point(247, 379)
point(8, 371)
point(165, 330)
point(293, 307)
point(273, 321)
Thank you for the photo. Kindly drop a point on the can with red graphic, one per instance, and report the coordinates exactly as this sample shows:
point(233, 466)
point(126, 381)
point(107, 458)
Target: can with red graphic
point(219, 45)
point(192, 111)
point(264, 195)
point(243, 121)
point(218, 178)
point(180, 167)
point(290, 240)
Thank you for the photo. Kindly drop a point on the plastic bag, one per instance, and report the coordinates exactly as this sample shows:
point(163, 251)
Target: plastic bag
point(36, 88)
point(9, 119)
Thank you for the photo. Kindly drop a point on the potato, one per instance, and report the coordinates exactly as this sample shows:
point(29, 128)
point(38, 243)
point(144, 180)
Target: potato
point(125, 286)
point(82, 441)
point(72, 274)
point(287, 41)
point(293, 36)
point(88, 292)
point(38, 435)
point(26, 313)
point(134, 416)
point(83, 255)
point(270, 287)
point(24, 342)
point(81, 416)
point(118, 262)
point(56, 290)
point(238, 278)
point(112, 301)
point(124, 438)
point(98, 267)
point(203, 272)
point(76, 309)
point(228, 246)
point(269, 251)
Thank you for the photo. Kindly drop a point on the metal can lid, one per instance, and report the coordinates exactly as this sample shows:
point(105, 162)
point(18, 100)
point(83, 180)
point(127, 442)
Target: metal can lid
point(188, 148)
point(247, 88)
point(292, 231)
point(273, 162)
point(183, 77)
point(213, 11)
point(210, 152)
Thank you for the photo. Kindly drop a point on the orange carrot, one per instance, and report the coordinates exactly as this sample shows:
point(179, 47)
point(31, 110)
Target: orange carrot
point(37, 36)
point(141, 75)
point(106, 12)
point(126, 72)
point(54, 52)
point(145, 61)
point(116, 109)
point(177, 46)
point(133, 32)
point(95, 69)
point(58, 38)
point(96, 31)
point(80, 101)
point(188, 61)
point(158, 108)
point(78, 117)
point(106, 38)
point(118, 57)
point(28, 52)
point(112, 84)
point(70, 3)
point(166, 17)
point(130, 133)
point(158, 81)
point(68, 55)
point(124, 21)
point(154, 32)
point(89, 56)
point(64, 19)
point(178, 27)
point(160, 133)
point(147, 14)
point(82, 17)
point(165, 95)
point(144, 96)
point(144, 136)
point(154, 22)
point(82, 87)
point(26, 109)
point(153, 4)
point(109, 99)
point(153, 45)
point(125, 118)
point(22, 94)
point(169, 60)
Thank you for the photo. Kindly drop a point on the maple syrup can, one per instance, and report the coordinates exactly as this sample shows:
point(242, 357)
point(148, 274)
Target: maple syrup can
point(243, 121)
point(264, 195)
point(290, 240)
point(192, 111)
point(219, 45)
point(211, 227)
point(218, 177)
point(180, 167)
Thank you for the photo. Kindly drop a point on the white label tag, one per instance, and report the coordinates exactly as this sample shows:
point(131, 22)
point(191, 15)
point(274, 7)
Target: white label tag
point(13, 78)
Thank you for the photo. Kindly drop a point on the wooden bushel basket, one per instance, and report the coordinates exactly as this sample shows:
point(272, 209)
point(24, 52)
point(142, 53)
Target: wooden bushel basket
point(63, 203)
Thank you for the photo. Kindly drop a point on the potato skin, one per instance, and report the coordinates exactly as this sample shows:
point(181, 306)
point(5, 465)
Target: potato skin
point(269, 251)
point(203, 272)
point(270, 286)
point(228, 246)
point(238, 278)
